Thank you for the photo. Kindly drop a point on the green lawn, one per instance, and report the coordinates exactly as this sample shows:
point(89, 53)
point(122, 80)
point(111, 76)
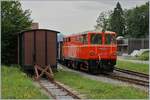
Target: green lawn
point(144, 56)
point(98, 90)
point(16, 85)
point(144, 68)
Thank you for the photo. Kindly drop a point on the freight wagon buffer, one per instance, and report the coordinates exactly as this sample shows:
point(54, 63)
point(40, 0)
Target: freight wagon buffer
point(37, 46)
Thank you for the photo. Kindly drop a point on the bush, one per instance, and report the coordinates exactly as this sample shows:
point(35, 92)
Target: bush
point(13, 20)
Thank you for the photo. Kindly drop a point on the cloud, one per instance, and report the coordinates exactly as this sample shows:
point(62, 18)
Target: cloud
point(71, 16)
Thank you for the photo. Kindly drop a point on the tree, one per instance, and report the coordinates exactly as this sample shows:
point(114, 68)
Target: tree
point(103, 21)
point(13, 20)
point(117, 21)
point(137, 21)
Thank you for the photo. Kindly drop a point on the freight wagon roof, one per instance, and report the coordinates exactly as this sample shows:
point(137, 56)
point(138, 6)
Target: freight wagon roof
point(38, 30)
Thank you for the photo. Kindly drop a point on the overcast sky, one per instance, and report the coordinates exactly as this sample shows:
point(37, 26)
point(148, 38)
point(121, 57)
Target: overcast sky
point(72, 16)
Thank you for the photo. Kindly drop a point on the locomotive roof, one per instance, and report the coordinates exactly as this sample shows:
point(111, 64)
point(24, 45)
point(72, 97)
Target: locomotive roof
point(86, 32)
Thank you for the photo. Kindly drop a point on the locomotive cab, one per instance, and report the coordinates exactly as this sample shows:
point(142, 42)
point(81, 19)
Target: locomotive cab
point(102, 52)
point(102, 45)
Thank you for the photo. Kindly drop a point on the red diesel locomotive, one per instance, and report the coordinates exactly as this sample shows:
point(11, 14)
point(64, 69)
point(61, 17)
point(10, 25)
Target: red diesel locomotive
point(91, 51)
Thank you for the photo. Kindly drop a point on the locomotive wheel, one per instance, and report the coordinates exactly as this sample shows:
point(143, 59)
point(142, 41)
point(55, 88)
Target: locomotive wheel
point(69, 64)
point(93, 71)
point(65, 63)
point(93, 68)
point(75, 65)
point(108, 68)
point(111, 69)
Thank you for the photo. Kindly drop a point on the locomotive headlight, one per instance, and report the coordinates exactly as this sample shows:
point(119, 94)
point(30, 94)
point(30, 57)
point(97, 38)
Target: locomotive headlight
point(92, 53)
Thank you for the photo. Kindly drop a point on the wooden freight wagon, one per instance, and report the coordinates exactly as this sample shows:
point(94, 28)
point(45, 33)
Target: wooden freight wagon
point(37, 46)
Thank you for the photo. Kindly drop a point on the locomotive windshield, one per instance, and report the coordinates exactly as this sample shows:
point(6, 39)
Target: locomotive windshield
point(96, 39)
point(110, 39)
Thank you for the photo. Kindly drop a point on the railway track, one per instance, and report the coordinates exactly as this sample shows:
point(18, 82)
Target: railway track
point(56, 90)
point(141, 82)
point(146, 76)
point(129, 80)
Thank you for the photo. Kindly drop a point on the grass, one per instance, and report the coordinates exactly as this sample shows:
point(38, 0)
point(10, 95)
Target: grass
point(143, 68)
point(144, 56)
point(98, 90)
point(16, 85)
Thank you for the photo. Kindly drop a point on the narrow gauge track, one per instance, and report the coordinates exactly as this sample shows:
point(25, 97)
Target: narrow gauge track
point(56, 90)
point(142, 75)
point(125, 78)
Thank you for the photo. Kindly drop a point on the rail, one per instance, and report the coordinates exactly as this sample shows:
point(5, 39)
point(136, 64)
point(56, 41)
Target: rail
point(57, 91)
point(130, 80)
point(133, 73)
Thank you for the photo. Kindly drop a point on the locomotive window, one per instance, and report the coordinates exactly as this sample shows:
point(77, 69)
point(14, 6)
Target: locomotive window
point(110, 39)
point(85, 39)
point(80, 38)
point(96, 39)
point(77, 38)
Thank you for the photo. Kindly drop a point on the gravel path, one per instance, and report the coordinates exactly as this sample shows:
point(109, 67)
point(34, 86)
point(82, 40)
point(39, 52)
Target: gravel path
point(103, 78)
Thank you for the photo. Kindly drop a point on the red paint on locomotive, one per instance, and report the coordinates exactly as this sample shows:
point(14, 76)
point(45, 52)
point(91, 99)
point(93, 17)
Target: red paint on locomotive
point(90, 48)
point(75, 46)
